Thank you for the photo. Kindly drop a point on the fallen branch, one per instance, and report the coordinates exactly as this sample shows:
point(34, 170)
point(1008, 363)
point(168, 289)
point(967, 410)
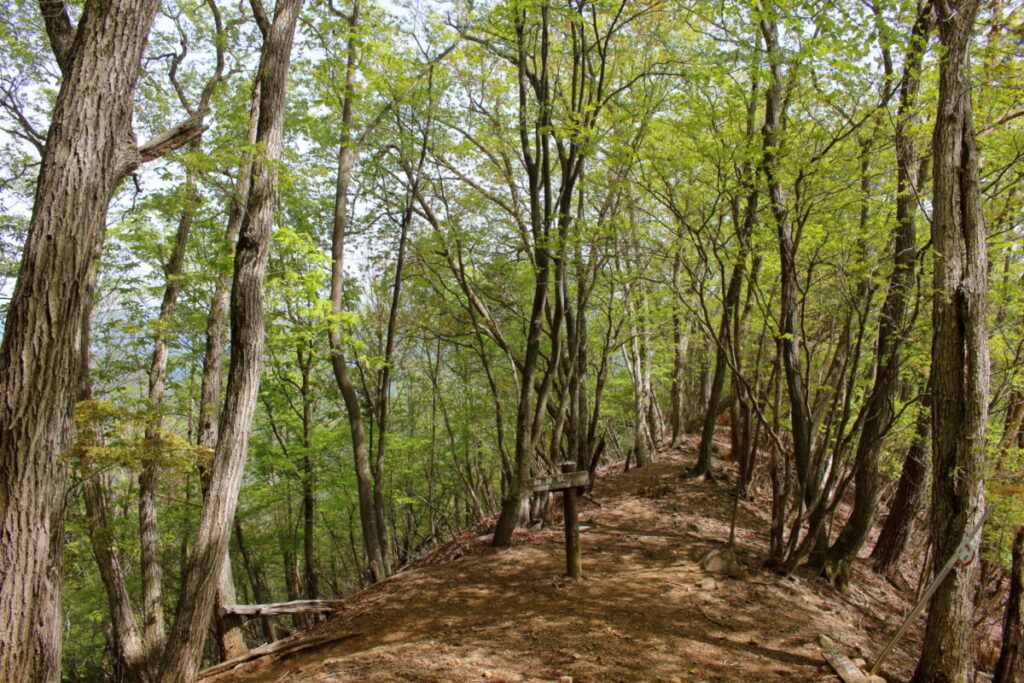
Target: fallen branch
point(278, 647)
point(275, 608)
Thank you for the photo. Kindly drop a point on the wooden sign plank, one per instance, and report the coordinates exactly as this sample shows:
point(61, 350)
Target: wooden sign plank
point(556, 482)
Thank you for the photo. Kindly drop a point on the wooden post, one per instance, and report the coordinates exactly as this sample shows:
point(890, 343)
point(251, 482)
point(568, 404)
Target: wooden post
point(571, 483)
point(570, 502)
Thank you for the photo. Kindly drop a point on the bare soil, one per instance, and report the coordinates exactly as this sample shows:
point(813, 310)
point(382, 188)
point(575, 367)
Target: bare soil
point(645, 610)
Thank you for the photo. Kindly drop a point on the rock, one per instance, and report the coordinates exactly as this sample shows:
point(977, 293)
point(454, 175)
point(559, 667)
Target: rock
point(722, 561)
point(707, 584)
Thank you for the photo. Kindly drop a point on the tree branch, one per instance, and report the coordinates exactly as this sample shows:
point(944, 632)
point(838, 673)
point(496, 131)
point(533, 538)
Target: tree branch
point(59, 30)
point(172, 139)
point(261, 17)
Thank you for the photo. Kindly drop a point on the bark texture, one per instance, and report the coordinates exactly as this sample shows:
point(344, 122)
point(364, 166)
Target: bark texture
point(89, 148)
point(960, 360)
point(184, 646)
point(231, 641)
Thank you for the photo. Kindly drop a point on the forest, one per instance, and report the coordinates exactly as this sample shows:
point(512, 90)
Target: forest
point(292, 294)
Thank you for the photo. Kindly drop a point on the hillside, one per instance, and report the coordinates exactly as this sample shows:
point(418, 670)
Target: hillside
point(645, 611)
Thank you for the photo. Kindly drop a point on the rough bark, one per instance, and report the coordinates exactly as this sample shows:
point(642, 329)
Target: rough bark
point(90, 146)
point(1010, 668)
point(960, 360)
point(184, 646)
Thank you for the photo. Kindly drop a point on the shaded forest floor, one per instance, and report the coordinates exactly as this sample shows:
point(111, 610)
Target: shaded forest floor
point(645, 611)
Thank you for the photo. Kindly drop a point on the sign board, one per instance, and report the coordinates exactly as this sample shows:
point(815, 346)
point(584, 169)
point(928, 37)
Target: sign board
point(556, 482)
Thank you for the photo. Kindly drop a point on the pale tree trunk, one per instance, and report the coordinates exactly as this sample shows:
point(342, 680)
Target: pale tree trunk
point(184, 646)
point(637, 362)
point(89, 148)
point(680, 344)
point(960, 360)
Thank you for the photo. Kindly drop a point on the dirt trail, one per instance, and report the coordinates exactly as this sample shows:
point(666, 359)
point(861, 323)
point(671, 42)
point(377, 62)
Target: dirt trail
point(645, 611)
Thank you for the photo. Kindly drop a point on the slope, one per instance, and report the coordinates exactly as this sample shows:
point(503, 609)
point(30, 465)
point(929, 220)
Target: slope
point(645, 611)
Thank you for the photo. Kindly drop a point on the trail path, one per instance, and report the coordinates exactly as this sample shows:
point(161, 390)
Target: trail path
point(645, 610)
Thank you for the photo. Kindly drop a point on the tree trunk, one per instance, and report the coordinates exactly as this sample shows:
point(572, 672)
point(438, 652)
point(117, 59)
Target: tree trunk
point(878, 409)
point(149, 532)
point(1010, 668)
point(722, 350)
point(231, 641)
point(1014, 418)
point(254, 571)
point(960, 360)
point(90, 147)
point(789, 330)
point(127, 640)
point(373, 535)
point(184, 647)
point(536, 158)
point(680, 341)
point(906, 504)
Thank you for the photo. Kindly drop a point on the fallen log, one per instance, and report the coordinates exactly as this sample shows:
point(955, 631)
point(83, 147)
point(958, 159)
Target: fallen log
point(843, 665)
point(275, 608)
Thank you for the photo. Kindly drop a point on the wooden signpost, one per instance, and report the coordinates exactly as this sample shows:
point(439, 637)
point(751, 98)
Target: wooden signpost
point(570, 483)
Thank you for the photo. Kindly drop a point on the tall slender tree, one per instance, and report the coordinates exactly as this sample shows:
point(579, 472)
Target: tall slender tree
point(199, 588)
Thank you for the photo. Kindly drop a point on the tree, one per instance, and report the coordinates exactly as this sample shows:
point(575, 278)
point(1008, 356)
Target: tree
point(1011, 656)
point(90, 148)
point(960, 359)
point(184, 647)
point(878, 409)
